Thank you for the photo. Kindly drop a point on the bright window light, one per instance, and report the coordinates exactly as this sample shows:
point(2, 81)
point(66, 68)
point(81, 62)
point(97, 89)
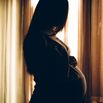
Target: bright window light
point(73, 27)
point(34, 3)
point(13, 57)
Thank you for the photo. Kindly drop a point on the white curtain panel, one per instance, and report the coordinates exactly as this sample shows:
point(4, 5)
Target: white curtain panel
point(11, 61)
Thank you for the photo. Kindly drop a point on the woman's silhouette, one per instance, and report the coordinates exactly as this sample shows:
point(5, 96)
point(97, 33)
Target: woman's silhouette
point(48, 59)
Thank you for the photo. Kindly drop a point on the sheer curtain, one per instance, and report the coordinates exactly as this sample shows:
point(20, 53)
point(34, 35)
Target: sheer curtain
point(97, 50)
point(90, 50)
point(16, 85)
point(11, 61)
point(84, 43)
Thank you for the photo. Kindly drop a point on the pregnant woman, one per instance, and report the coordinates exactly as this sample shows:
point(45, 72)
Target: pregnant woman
point(48, 58)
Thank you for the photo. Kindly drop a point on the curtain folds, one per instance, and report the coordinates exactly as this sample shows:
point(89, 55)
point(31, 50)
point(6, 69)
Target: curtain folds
point(97, 49)
point(101, 59)
point(90, 50)
point(84, 43)
point(11, 60)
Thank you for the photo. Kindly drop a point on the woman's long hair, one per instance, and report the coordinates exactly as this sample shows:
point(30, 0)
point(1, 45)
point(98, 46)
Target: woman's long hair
point(49, 14)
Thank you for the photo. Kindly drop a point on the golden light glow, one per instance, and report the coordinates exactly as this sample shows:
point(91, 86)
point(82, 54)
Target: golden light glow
point(73, 27)
point(34, 3)
point(60, 35)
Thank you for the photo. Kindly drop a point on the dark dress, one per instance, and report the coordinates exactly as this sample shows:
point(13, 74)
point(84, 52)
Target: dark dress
point(56, 80)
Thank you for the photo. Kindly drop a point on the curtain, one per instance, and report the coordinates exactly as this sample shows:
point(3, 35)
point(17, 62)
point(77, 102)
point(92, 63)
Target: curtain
point(16, 85)
point(90, 47)
point(97, 50)
point(84, 43)
point(11, 60)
